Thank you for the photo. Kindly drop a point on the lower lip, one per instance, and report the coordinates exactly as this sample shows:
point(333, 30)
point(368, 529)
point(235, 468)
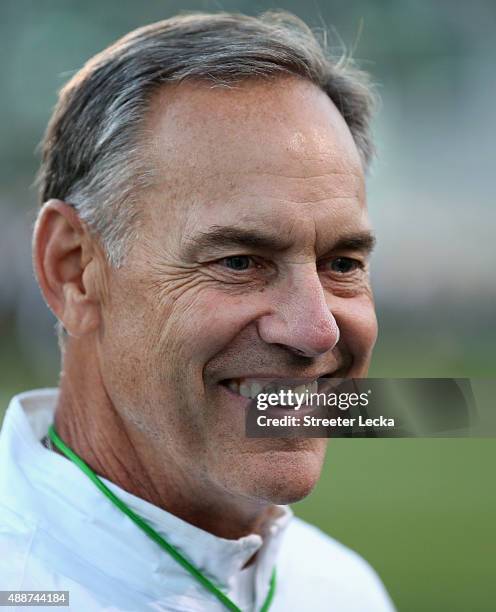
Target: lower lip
point(244, 402)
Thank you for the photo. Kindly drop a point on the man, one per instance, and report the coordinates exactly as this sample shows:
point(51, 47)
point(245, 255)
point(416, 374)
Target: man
point(203, 228)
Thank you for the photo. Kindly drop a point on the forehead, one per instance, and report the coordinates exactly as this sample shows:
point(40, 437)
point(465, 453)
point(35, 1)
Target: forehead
point(270, 150)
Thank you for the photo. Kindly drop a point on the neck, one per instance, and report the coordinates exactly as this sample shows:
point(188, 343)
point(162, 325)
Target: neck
point(89, 423)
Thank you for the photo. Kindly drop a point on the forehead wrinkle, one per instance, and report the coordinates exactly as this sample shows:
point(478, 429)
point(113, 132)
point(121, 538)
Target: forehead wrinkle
point(254, 187)
point(332, 182)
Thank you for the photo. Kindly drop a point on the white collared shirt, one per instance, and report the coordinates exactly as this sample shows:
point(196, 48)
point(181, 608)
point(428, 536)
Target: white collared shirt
point(59, 532)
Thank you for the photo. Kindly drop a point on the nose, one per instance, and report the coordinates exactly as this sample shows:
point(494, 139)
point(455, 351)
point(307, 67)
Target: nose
point(301, 319)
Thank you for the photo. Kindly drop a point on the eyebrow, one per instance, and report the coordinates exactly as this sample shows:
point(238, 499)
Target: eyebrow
point(360, 241)
point(228, 236)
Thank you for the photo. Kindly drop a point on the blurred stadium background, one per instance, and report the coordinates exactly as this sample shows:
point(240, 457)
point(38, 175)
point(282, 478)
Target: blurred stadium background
point(421, 511)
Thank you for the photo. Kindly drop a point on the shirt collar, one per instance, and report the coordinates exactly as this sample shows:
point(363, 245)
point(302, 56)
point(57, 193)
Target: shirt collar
point(26, 422)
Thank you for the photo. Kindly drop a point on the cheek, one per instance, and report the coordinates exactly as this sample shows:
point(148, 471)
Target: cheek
point(193, 325)
point(205, 325)
point(357, 323)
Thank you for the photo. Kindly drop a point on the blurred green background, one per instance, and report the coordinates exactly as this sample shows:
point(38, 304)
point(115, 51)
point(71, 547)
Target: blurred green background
point(421, 511)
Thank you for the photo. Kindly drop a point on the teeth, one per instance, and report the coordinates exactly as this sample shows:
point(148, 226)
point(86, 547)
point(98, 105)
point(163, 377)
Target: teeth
point(256, 388)
point(244, 390)
point(251, 390)
point(301, 389)
point(234, 386)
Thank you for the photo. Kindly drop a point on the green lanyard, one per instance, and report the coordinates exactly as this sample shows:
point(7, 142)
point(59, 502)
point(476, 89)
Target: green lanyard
point(169, 548)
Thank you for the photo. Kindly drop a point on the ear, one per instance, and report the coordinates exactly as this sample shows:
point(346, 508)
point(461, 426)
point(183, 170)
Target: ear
point(65, 263)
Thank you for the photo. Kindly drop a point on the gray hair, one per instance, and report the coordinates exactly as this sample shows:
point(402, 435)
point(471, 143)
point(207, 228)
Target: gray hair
point(93, 153)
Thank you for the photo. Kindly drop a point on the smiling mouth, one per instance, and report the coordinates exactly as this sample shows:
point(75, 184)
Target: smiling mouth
point(250, 388)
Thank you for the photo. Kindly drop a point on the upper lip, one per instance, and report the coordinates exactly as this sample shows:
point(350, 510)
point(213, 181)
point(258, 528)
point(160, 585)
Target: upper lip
point(268, 378)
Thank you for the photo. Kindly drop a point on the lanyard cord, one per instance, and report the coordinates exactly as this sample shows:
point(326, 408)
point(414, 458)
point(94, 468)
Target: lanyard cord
point(169, 548)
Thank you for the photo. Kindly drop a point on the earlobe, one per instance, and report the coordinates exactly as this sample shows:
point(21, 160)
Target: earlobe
point(61, 251)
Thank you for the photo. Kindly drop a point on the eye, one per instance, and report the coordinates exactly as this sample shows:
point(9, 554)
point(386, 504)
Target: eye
point(238, 263)
point(344, 265)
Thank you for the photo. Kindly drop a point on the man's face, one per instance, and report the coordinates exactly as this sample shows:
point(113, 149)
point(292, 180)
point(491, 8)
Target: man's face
point(252, 253)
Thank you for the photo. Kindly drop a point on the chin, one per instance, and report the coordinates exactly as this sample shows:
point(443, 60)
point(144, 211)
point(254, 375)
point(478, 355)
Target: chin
point(282, 476)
